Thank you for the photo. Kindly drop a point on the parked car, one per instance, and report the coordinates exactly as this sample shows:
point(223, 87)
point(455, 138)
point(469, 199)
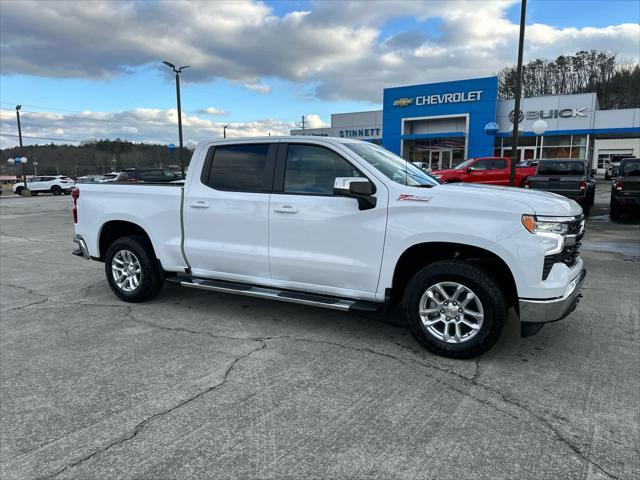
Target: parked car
point(110, 177)
point(46, 184)
point(625, 190)
point(613, 164)
point(89, 179)
point(149, 175)
point(346, 225)
point(567, 177)
point(491, 170)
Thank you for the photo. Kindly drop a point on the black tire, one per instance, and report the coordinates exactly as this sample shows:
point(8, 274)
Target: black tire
point(614, 210)
point(152, 276)
point(586, 207)
point(33, 194)
point(19, 190)
point(478, 281)
point(67, 192)
point(56, 190)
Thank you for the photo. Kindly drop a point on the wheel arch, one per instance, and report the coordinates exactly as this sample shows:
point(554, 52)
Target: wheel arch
point(420, 255)
point(114, 229)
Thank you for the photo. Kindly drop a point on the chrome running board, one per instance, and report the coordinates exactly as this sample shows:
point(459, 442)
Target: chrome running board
point(302, 298)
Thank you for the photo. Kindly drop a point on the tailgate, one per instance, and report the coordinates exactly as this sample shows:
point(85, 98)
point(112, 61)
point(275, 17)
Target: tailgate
point(566, 186)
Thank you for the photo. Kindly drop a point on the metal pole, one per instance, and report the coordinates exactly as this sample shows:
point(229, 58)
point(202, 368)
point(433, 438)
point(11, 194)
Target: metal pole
point(224, 132)
point(24, 176)
point(516, 111)
point(180, 124)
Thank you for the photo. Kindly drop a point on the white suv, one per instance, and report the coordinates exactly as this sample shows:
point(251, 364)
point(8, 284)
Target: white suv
point(54, 184)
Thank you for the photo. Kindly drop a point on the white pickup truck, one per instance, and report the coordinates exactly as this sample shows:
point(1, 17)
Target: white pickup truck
point(341, 224)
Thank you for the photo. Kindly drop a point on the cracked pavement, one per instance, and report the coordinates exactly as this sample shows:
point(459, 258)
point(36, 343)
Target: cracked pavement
point(204, 385)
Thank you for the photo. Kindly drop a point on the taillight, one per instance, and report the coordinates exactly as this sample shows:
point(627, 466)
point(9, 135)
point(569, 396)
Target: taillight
point(583, 185)
point(619, 185)
point(75, 193)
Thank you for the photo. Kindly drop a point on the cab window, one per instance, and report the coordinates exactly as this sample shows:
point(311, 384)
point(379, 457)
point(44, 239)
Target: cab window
point(312, 170)
point(480, 165)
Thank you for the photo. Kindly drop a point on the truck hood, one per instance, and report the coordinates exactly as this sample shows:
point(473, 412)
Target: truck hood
point(542, 203)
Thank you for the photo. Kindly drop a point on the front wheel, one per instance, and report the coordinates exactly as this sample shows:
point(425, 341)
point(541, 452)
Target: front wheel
point(455, 309)
point(132, 270)
point(614, 210)
point(19, 190)
point(56, 190)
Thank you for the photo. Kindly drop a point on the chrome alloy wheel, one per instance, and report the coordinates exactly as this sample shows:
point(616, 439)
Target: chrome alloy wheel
point(451, 312)
point(126, 270)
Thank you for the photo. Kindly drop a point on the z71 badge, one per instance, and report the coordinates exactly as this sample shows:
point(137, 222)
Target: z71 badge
point(415, 198)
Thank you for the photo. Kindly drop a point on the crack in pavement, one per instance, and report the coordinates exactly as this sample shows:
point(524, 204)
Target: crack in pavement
point(468, 381)
point(30, 292)
point(20, 237)
point(142, 424)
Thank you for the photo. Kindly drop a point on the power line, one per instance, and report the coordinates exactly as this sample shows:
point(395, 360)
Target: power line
point(41, 138)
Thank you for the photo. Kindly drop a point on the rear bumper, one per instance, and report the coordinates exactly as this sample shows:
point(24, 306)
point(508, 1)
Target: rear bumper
point(82, 250)
point(550, 310)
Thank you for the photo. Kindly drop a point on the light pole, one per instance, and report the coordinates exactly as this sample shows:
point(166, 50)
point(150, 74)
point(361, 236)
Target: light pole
point(178, 71)
point(24, 176)
point(516, 111)
point(224, 131)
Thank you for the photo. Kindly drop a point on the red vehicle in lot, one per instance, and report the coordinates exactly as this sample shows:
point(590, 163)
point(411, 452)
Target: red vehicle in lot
point(491, 170)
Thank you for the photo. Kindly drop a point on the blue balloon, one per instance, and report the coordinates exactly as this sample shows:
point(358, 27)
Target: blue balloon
point(491, 128)
point(171, 146)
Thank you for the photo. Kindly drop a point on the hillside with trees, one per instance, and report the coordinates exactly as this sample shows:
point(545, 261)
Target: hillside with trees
point(616, 83)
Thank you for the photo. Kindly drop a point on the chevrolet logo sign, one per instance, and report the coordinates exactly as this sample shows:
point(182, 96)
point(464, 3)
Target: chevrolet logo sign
point(403, 102)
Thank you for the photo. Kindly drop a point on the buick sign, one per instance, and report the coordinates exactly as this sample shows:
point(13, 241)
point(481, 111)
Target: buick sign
point(547, 114)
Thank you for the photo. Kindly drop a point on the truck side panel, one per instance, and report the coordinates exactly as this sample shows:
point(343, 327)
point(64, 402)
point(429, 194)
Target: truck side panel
point(154, 208)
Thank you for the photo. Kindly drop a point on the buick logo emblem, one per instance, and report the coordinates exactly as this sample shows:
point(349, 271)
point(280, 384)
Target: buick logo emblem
point(512, 116)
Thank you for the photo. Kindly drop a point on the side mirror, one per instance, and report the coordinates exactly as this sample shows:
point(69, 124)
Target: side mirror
point(356, 187)
point(470, 169)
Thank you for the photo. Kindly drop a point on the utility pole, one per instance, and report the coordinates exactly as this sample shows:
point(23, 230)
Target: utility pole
point(24, 176)
point(516, 111)
point(303, 122)
point(178, 71)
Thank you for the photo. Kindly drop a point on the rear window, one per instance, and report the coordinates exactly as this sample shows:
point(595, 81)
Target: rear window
point(241, 168)
point(560, 167)
point(630, 168)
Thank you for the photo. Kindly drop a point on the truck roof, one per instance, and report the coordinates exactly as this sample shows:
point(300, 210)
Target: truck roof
point(291, 138)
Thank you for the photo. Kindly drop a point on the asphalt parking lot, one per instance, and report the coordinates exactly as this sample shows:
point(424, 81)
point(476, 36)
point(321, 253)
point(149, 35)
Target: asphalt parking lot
point(204, 385)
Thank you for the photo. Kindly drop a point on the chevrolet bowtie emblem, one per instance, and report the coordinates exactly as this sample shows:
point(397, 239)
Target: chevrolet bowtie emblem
point(403, 102)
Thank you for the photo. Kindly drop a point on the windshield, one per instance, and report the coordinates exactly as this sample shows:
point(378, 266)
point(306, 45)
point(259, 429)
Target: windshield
point(392, 166)
point(465, 164)
point(630, 168)
point(561, 167)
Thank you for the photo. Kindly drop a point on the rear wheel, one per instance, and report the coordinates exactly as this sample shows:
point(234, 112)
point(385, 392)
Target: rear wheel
point(56, 190)
point(455, 309)
point(132, 270)
point(586, 207)
point(19, 190)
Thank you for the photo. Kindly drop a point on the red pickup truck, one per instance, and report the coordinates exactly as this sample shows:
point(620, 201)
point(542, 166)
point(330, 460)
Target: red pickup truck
point(492, 170)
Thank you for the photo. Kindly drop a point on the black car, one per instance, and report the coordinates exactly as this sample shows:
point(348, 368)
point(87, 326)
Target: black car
point(625, 189)
point(149, 175)
point(566, 177)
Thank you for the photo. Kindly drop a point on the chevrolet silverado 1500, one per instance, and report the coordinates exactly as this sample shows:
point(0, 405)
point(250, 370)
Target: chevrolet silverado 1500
point(341, 224)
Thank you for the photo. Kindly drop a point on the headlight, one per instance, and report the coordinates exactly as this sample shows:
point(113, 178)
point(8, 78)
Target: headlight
point(539, 224)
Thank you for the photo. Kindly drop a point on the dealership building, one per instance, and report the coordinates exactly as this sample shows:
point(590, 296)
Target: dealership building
point(444, 123)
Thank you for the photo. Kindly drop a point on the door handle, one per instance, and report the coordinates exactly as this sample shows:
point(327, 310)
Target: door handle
point(199, 204)
point(285, 209)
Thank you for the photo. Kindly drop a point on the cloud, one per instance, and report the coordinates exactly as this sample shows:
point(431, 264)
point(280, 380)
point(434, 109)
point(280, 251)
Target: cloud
point(340, 49)
point(314, 121)
point(138, 125)
point(257, 87)
point(216, 112)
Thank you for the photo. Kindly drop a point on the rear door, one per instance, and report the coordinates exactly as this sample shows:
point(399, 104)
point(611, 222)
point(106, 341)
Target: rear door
point(226, 212)
point(319, 241)
point(498, 171)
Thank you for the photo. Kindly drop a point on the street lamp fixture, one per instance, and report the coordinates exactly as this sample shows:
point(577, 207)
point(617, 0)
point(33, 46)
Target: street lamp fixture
point(224, 131)
point(178, 71)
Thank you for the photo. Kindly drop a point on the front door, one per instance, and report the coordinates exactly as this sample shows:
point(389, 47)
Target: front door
point(319, 241)
point(226, 213)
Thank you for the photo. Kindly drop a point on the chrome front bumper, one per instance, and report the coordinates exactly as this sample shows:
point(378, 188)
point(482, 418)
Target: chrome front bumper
point(82, 250)
point(550, 310)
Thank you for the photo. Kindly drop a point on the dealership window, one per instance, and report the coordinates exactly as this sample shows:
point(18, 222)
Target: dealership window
point(437, 152)
point(550, 146)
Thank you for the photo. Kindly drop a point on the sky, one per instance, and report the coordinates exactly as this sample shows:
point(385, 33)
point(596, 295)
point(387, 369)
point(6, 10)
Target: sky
point(93, 69)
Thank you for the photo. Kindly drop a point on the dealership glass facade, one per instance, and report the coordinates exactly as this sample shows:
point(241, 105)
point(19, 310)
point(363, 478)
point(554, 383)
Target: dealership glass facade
point(436, 152)
point(548, 146)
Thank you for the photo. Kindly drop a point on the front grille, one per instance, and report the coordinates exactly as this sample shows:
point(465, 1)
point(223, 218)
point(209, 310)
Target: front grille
point(569, 254)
